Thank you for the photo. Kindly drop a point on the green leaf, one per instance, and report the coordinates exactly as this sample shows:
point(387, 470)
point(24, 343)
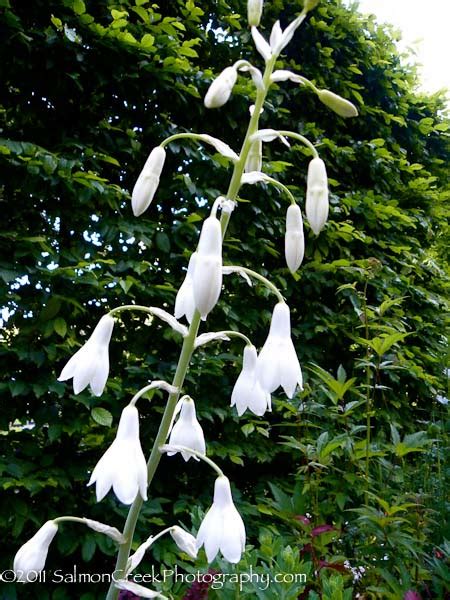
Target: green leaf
point(60, 326)
point(79, 7)
point(102, 416)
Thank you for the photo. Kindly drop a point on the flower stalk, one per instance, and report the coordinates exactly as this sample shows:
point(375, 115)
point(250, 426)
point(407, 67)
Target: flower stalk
point(189, 340)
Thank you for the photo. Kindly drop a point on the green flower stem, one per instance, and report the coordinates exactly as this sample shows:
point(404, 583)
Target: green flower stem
point(278, 185)
point(208, 461)
point(67, 518)
point(238, 334)
point(154, 385)
point(259, 277)
point(302, 139)
point(138, 307)
point(189, 341)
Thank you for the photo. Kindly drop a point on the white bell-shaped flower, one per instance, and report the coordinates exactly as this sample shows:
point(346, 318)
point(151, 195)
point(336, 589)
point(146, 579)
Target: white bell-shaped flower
point(294, 239)
point(148, 181)
point(187, 430)
point(123, 465)
point(247, 391)
point(254, 12)
point(90, 365)
point(220, 89)
point(316, 207)
point(277, 362)
point(185, 541)
point(207, 278)
point(222, 528)
point(30, 558)
point(184, 302)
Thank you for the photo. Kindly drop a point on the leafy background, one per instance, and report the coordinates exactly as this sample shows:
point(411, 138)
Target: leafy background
point(87, 89)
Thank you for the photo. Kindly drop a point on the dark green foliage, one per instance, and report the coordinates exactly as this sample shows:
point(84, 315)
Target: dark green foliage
point(87, 89)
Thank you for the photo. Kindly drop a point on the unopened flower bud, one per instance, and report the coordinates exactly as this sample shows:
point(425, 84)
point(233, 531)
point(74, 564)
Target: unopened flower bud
point(207, 278)
point(294, 240)
point(317, 195)
point(254, 12)
point(254, 158)
point(30, 558)
point(221, 88)
point(339, 105)
point(148, 181)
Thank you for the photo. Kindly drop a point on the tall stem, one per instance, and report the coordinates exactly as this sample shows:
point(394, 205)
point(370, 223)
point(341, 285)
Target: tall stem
point(188, 345)
point(368, 397)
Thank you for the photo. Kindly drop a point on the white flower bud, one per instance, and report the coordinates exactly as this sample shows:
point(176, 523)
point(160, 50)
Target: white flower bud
point(221, 88)
point(148, 181)
point(339, 105)
point(207, 277)
point(317, 195)
point(184, 540)
point(254, 158)
point(294, 240)
point(254, 12)
point(30, 558)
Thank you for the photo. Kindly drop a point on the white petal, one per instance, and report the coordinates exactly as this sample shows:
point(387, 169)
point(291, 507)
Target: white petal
point(207, 283)
point(261, 45)
point(69, 370)
point(210, 532)
point(275, 34)
point(100, 376)
point(267, 368)
point(231, 544)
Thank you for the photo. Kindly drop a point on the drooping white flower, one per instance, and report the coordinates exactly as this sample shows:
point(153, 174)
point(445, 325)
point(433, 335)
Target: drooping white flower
point(184, 302)
point(247, 391)
point(339, 105)
point(222, 528)
point(207, 278)
point(254, 12)
point(294, 239)
point(187, 430)
point(185, 541)
point(277, 362)
point(148, 181)
point(123, 465)
point(30, 558)
point(316, 206)
point(90, 364)
point(220, 89)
